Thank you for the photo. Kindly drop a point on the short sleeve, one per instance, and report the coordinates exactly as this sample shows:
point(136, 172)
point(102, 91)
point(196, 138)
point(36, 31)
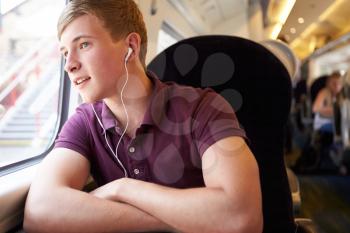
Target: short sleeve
point(75, 135)
point(214, 120)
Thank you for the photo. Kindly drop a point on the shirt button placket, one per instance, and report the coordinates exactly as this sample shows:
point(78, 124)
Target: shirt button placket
point(131, 151)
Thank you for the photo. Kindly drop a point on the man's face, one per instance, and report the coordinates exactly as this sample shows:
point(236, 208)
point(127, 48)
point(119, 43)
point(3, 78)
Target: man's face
point(94, 62)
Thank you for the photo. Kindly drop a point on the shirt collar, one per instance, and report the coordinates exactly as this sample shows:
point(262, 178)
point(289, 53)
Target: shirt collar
point(156, 106)
point(108, 119)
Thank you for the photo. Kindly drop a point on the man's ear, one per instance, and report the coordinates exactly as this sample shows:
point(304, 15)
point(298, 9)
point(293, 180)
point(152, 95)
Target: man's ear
point(133, 41)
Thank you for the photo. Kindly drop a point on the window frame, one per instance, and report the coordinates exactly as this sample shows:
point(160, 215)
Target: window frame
point(19, 175)
point(170, 30)
point(16, 177)
point(63, 108)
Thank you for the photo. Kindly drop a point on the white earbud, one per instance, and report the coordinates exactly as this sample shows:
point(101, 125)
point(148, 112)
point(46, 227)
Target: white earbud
point(128, 54)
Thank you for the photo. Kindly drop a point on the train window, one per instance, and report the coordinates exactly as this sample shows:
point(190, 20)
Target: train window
point(167, 36)
point(30, 66)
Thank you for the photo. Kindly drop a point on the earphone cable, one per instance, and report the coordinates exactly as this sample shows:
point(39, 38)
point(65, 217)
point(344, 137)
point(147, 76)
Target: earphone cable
point(109, 146)
point(126, 112)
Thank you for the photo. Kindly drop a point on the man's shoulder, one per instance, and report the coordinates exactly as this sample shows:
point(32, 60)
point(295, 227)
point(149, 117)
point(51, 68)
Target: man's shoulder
point(175, 89)
point(194, 93)
point(185, 100)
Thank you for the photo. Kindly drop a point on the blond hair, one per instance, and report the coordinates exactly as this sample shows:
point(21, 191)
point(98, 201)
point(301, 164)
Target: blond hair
point(119, 17)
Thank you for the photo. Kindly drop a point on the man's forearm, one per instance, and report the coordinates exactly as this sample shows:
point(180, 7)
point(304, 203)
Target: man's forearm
point(189, 210)
point(69, 210)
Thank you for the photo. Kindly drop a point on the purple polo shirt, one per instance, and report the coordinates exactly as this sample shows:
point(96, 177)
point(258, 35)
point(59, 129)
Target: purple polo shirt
point(180, 123)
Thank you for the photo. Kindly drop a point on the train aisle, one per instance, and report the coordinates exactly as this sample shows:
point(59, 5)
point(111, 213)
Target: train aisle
point(326, 200)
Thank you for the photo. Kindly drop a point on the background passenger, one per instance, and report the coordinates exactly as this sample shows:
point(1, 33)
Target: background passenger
point(323, 105)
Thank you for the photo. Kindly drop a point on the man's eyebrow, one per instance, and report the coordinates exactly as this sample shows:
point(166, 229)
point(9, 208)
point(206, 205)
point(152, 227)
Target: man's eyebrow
point(76, 39)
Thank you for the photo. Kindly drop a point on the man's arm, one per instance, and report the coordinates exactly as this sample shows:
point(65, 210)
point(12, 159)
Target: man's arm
point(56, 204)
point(230, 202)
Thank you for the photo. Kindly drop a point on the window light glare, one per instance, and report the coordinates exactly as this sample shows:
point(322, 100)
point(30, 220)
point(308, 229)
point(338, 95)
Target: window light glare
point(275, 31)
point(7, 5)
point(288, 6)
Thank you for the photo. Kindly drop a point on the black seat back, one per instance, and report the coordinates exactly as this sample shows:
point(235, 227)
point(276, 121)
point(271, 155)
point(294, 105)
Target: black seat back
point(300, 90)
point(258, 87)
point(316, 86)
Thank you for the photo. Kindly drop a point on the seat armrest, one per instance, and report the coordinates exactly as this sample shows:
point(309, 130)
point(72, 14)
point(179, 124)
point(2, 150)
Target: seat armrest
point(306, 225)
point(295, 189)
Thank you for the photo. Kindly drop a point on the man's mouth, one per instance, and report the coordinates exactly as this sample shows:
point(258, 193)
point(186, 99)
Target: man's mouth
point(81, 80)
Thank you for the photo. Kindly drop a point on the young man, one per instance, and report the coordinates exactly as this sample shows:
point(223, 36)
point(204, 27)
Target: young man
point(165, 157)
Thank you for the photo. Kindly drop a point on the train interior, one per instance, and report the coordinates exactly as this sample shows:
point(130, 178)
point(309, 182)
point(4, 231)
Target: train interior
point(272, 60)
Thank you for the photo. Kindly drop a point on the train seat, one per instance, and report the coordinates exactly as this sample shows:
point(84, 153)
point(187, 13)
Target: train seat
point(258, 86)
point(316, 86)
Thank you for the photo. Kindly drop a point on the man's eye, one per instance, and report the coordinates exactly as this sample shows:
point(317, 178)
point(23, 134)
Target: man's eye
point(84, 45)
point(65, 54)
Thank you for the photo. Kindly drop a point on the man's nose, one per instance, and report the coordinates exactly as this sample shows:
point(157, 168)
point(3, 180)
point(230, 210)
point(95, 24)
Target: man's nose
point(72, 64)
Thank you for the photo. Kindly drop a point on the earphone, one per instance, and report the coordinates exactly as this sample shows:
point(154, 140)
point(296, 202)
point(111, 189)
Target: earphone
point(126, 113)
point(128, 54)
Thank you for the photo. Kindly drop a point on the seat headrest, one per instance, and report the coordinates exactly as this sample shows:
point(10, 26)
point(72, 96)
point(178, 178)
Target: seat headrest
point(285, 54)
point(300, 90)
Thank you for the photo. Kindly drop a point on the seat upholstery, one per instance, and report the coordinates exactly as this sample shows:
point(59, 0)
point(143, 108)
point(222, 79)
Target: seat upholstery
point(258, 87)
point(294, 186)
point(316, 86)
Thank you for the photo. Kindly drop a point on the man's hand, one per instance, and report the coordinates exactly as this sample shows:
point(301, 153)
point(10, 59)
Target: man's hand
point(108, 191)
point(112, 190)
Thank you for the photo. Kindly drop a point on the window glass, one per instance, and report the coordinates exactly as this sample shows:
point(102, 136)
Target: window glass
point(29, 77)
point(167, 36)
